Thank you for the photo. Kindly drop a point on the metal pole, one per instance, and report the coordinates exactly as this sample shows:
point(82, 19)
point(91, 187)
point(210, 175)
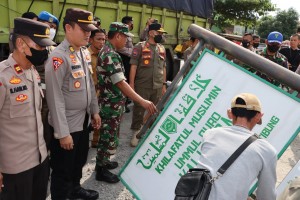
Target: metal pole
point(271, 69)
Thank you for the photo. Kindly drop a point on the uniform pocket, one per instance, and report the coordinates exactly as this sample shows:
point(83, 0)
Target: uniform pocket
point(76, 84)
point(21, 105)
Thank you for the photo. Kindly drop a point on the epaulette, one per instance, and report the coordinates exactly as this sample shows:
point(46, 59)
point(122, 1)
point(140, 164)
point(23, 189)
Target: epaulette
point(3, 65)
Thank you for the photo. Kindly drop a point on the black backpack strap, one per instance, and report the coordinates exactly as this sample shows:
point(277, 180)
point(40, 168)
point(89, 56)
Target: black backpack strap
point(236, 154)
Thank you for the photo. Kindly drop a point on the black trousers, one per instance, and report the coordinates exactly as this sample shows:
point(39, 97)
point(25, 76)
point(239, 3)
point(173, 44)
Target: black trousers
point(67, 164)
point(126, 63)
point(28, 185)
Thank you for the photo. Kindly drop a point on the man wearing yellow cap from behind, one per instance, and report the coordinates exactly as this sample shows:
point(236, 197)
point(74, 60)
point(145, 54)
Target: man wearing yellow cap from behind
point(257, 161)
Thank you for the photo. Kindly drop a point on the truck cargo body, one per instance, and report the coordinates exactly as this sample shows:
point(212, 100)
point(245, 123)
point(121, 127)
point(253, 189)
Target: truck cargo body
point(175, 23)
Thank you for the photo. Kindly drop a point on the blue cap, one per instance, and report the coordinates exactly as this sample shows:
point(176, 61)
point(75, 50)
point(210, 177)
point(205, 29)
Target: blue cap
point(275, 36)
point(45, 16)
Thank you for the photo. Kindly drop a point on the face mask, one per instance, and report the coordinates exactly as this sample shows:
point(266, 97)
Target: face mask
point(245, 43)
point(273, 48)
point(52, 33)
point(38, 56)
point(158, 38)
point(255, 45)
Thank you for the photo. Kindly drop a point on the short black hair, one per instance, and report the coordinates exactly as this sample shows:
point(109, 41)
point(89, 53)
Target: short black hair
point(29, 15)
point(98, 30)
point(126, 19)
point(255, 37)
point(296, 35)
point(243, 112)
point(298, 29)
point(68, 22)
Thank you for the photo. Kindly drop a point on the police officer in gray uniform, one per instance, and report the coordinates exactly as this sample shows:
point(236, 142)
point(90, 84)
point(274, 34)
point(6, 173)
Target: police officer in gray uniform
point(23, 154)
point(72, 101)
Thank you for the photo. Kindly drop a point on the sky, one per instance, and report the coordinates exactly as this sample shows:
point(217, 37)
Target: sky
point(286, 4)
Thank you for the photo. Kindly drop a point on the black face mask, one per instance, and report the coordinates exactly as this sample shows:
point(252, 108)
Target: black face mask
point(38, 57)
point(255, 45)
point(245, 43)
point(157, 38)
point(273, 48)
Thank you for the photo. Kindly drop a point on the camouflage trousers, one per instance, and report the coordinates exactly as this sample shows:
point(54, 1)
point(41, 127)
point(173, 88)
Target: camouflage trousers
point(110, 114)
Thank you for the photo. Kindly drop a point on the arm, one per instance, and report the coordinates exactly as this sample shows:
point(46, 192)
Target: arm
point(132, 75)
point(54, 77)
point(2, 93)
point(267, 180)
point(164, 89)
point(1, 182)
point(129, 92)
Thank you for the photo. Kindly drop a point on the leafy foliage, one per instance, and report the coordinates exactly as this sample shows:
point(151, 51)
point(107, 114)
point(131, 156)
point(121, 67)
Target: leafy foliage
point(285, 22)
point(240, 12)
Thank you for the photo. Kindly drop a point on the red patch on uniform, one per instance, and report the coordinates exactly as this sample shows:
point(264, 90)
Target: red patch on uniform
point(18, 69)
point(21, 97)
point(77, 84)
point(0, 84)
point(135, 52)
point(57, 62)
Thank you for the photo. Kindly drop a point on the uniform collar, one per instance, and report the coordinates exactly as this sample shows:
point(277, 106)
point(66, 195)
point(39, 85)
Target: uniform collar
point(15, 66)
point(91, 51)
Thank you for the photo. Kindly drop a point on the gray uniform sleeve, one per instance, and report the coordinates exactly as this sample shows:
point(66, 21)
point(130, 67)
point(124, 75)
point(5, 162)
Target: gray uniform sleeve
point(2, 93)
point(55, 99)
point(267, 179)
point(94, 103)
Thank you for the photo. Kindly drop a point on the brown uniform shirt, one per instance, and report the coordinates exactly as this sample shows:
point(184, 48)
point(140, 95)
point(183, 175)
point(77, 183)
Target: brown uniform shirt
point(22, 144)
point(150, 60)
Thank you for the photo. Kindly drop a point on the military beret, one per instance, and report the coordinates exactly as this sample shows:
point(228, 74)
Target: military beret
point(37, 31)
point(48, 17)
point(156, 27)
point(126, 19)
point(120, 27)
point(82, 17)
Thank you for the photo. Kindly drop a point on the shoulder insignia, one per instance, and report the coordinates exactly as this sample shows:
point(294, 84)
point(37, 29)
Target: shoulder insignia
point(135, 52)
point(21, 97)
point(57, 62)
point(15, 80)
point(18, 69)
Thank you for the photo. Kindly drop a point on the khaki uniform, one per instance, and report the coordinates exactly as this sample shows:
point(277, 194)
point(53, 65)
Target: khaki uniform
point(151, 61)
point(94, 57)
point(70, 89)
point(22, 145)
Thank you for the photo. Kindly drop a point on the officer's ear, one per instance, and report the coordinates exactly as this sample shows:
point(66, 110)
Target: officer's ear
point(20, 44)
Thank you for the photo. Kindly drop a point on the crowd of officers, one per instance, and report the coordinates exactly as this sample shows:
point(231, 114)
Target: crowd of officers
point(52, 97)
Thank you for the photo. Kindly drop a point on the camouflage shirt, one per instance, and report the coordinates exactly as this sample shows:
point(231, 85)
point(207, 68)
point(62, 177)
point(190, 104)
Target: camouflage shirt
point(110, 70)
point(277, 58)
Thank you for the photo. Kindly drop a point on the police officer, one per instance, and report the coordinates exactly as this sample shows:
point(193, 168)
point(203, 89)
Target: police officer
point(113, 89)
point(148, 73)
point(72, 100)
point(125, 53)
point(53, 23)
point(23, 154)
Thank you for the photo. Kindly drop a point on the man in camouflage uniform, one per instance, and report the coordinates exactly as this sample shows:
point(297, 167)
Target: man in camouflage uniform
point(148, 73)
point(113, 86)
point(271, 52)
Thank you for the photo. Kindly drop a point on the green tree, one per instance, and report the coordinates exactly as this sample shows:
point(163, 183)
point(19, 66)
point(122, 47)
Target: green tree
point(240, 12)
point(285, 22)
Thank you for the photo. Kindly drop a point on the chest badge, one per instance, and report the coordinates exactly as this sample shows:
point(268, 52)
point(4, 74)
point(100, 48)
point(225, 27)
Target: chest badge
point(18, 69)
point(77, 84)
point(15, 80)
point(21, 97)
